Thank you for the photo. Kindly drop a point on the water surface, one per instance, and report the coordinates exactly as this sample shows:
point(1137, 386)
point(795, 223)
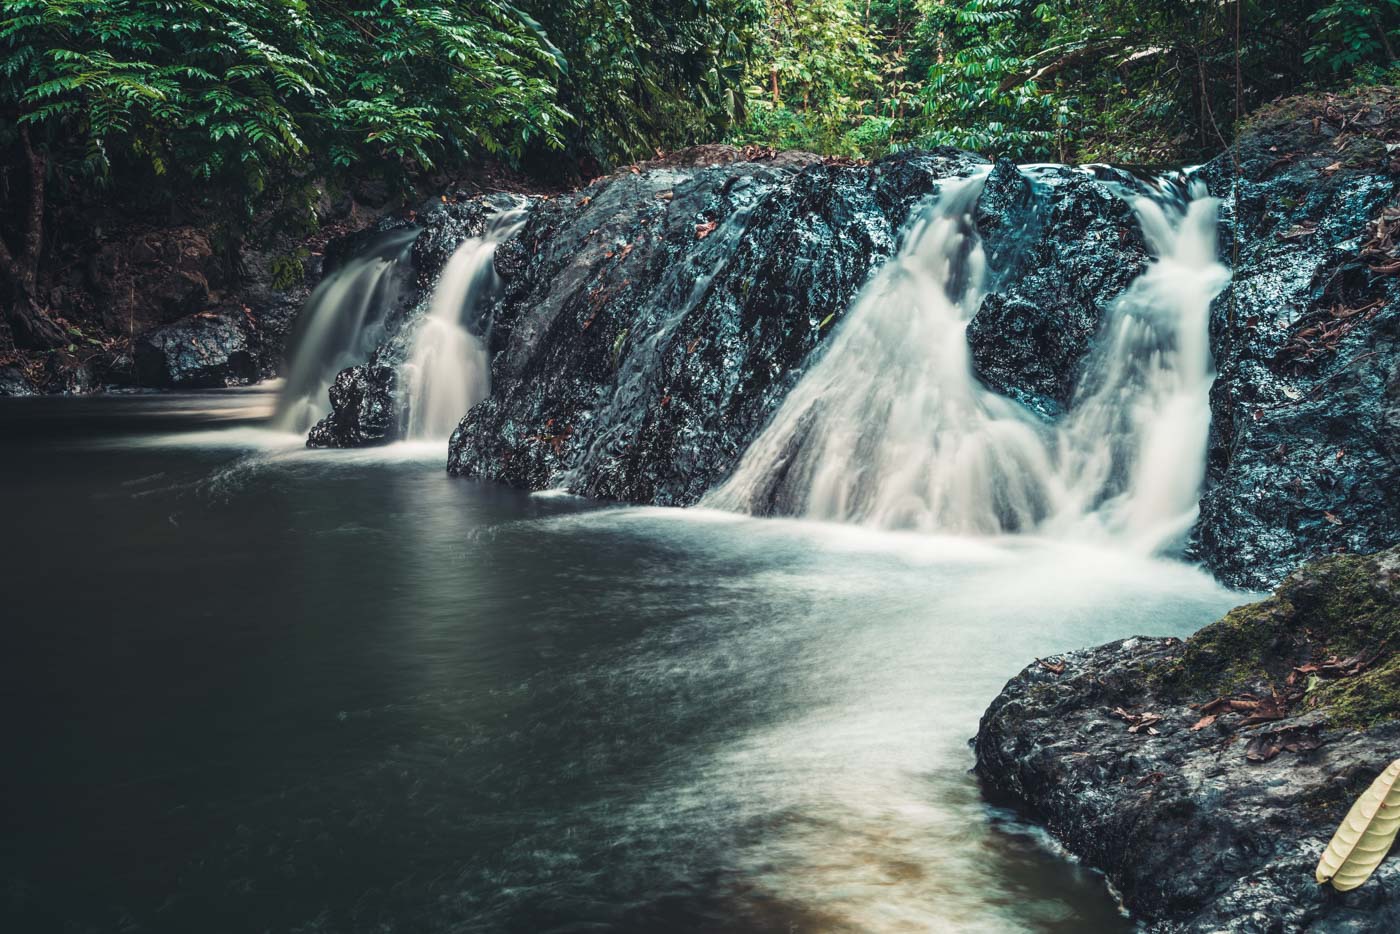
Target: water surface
point(252, 687)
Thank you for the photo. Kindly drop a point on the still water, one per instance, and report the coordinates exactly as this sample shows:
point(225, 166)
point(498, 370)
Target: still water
point(252, 687)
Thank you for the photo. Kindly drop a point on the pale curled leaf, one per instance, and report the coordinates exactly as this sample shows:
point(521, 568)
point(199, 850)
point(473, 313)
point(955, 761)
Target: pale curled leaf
point(1366, 833)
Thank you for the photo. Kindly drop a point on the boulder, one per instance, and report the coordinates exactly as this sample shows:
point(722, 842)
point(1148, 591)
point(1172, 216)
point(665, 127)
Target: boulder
point(208, 349)
point(652, 322)
point(13, 382)
point(366, 409)
point(1061, 246)
point(1205, 777)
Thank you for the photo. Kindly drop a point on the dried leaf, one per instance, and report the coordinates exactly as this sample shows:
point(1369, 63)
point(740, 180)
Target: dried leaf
point(1365, 835)
point(1202, 723)
point(1266, 746)
point(704, 230)
point(1055, 668)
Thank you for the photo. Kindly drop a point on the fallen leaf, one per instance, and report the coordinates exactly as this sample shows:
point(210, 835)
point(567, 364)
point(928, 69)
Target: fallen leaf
point(1365, 836)
point(1055, 668)
point(704, 230)
point(1266, 746)
point(1202, 723)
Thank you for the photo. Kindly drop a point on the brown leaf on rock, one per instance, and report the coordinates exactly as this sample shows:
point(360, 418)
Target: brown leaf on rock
point(704, 230)
point(1266, 746)
point(1055, 668)
point(1213, 706)
point(1202, 723)
point(1139, 722)
point(1268, 708)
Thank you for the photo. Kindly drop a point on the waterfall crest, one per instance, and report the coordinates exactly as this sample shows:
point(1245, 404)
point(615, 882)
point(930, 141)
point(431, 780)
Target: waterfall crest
point(342, 324)
point(448, 370)
point(892, 428)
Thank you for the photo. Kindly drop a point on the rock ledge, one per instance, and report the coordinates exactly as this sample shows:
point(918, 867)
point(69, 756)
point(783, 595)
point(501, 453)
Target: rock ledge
point(1205, 777)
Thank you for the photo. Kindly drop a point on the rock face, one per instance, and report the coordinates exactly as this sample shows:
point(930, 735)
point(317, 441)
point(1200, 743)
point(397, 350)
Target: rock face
point(203, 350)
point(367, 409)
point(1305, 443)
point(1205, 777)
point(653, 322)
point(1061, 249)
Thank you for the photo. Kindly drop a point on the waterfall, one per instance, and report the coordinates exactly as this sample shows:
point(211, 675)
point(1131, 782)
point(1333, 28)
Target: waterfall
point(1133, 448)
point(891, 427)
point(448, 370)
point(341, 326)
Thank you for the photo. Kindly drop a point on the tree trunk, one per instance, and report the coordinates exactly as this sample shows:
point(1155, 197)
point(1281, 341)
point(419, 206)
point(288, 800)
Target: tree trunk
point(29, 325)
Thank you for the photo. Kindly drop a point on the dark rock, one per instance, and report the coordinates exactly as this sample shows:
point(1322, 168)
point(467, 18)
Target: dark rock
point(660, 317)
point(13, 382)
point(66, 374)
point(445, 226)
point(1060, 250)
point(1195, 834)
point(151, 277)
point(367, 409)
point(203, 350)
point(1303, 459)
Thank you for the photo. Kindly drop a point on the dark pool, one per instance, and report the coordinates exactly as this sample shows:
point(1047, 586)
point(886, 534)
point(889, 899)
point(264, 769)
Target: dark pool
point(251, 687)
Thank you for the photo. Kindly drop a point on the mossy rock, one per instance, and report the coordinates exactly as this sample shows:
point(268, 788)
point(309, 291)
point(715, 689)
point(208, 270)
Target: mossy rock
point(1342, 607)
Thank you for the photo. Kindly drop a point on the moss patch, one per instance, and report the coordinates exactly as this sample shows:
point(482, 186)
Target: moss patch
point(1342, 607)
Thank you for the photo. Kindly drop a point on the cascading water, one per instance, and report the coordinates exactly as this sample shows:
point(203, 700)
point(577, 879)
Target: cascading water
point(1133, 449)
point(342, 324)
point(447, 370)
point(892, 428)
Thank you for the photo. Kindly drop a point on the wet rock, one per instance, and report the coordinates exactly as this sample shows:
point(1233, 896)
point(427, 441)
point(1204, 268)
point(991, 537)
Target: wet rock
point(367, 409)
point(209, 349)
point(1061, 248)
point(661, 315)
point(445, 226)
point(1141, 757)
point(13, 382)
point(1303, 459)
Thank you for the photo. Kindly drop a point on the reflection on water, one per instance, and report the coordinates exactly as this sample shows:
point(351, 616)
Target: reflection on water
point(255, 687)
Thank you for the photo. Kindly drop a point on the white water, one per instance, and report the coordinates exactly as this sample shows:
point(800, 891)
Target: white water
point(892, 428)
point(448, 370)
point(341, 325)
point(1133, 448)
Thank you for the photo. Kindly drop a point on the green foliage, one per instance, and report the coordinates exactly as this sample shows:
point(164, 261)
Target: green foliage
point(649, 74)
point(241, 91)
point(817, 78)
point(288, 269)
point(1128, 80)
point(1352, 33)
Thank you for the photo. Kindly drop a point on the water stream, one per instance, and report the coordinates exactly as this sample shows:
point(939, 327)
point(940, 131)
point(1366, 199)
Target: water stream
point(892, 428)
point(342, 324)
point(448, 370)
